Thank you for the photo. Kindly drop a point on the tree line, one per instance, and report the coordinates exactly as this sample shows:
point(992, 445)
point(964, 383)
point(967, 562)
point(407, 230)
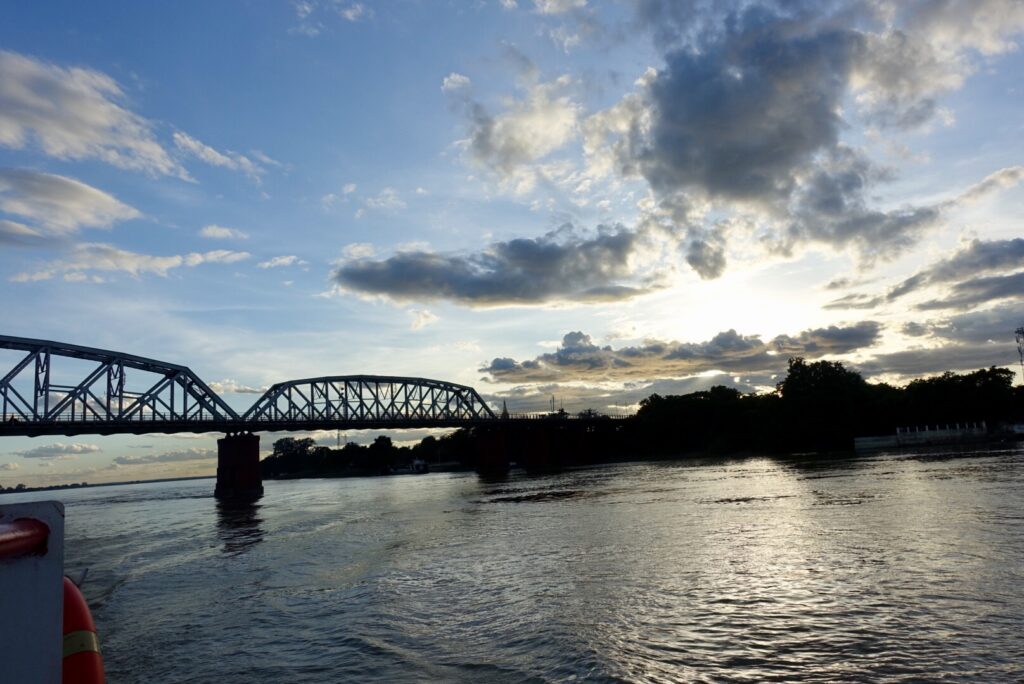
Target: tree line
point(818, 406)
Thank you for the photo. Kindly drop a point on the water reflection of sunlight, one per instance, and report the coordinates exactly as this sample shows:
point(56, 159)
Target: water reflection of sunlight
point(239, 525)
point(742, 561)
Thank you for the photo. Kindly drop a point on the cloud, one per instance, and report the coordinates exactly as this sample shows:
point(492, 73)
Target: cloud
point(421, 318)
point(332, 198)
point(59, 451)
point(1002, 179)
point(960, 342)
point(920, 362)
point(75, 113)
point(358, 250)
point(232, 387)
point(855, 301)
point(232, 161)
point(977, 291)
point(18, 234)
point(281, 261)
point(57, 205)
point(898, 77)
point(974, 258)
point(528, 130)
point(740, 118)
point(747, 115)
point(216, 232)
point(561, 265)
point(386, 200)
point(307, 11)
point(454, 81)
point(564, 39)
point(558, 6)
point(987, 26)
point(8, 466)
point(193, 454)
point(995, 325)
point(579, 359)
point(91, 257)
point(356, 11)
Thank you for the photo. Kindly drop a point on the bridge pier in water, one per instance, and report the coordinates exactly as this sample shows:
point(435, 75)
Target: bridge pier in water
point(238, 467)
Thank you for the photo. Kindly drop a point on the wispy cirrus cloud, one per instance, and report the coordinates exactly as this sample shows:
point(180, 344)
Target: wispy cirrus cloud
point(88, 259)
point(233, 161)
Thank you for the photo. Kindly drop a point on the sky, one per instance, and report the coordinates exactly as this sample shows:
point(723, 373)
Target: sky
point(591, 201)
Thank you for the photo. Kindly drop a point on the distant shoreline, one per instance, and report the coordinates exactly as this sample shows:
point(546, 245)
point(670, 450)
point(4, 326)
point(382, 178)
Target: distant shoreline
point(84, 485)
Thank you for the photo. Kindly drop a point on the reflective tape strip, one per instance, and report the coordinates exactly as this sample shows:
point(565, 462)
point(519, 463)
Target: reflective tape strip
point(80, 642)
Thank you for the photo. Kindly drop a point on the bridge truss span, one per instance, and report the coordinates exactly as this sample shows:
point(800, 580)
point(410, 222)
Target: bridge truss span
point(52, 388)
point(353, 400)
point(58, 388)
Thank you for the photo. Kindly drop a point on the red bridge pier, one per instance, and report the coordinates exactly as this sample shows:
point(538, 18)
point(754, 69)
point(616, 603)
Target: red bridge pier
point(238, 467)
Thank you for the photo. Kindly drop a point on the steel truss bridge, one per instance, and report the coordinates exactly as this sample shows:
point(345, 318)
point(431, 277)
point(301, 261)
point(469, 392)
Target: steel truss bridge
point(66, 389)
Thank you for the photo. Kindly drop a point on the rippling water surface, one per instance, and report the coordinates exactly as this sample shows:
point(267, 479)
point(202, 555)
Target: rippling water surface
point(884, 568)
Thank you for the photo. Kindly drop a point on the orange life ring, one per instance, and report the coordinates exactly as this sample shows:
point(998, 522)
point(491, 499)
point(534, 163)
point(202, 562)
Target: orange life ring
point(83, 663)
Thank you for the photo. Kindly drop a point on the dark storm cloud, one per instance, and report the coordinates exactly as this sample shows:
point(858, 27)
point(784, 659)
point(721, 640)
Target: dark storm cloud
point(560, 265)
point(578, 358)
point(977, 291)
point(976, 258)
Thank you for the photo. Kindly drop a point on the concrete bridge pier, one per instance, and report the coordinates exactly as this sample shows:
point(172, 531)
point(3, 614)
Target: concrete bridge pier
point(238, 467)
point(492, 457)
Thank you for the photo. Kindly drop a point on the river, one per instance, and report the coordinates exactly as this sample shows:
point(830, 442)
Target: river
point(882, 568)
